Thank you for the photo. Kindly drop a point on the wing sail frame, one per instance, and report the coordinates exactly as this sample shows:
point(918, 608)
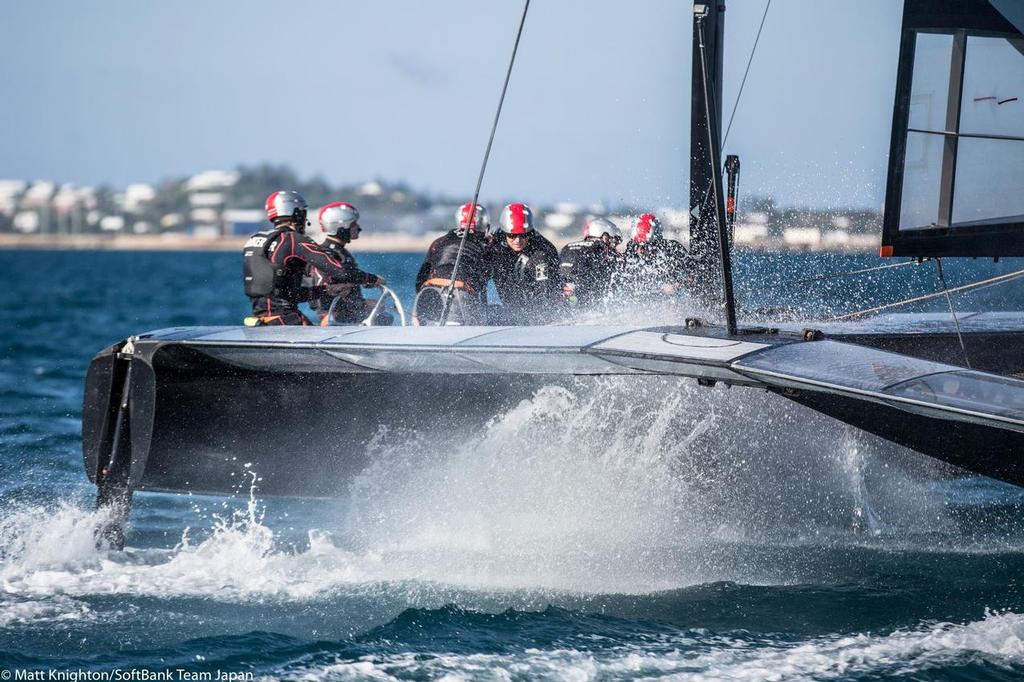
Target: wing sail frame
point(947, 234)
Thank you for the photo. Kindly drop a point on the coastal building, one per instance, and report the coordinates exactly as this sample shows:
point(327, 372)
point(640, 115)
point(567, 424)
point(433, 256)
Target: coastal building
point(244, 221)
point(137, 196)
point(10, 193)
point(218, 204)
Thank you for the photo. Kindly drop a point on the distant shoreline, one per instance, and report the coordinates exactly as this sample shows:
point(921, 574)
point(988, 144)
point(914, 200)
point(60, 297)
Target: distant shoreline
point(175, 242)
point(378, 243)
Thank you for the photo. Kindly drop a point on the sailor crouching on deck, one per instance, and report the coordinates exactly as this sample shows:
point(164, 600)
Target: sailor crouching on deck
point(274, 263)
point(525, 270)
point(340, 223)
point(587, 266)
point(437, 276)
point(652, 265)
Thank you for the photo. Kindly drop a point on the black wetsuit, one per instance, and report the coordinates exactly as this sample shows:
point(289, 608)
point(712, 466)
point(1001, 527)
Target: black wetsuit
point(351, 307)
point(439, 263)
point(588, 265)
point(528, 282)
point(649, 266)
point(276, 292)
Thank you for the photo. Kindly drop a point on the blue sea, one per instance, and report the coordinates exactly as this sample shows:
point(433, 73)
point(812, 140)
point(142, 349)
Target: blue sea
point(707, 535)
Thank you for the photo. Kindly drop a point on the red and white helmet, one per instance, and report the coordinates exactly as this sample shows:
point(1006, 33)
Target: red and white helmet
point(646, 228)
point(475, 220)
point(337, 217)
point(595, 228)
point(286, 204)
point(516, 219)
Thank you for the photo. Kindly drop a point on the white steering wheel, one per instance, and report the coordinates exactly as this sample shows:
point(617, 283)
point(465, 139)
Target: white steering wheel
point(385, 293)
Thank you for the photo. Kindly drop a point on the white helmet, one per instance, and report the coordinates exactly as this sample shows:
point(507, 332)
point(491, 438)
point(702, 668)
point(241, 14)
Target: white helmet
point(287, 205)
point(475, 220)
point(646, 228)
point(516, 219)
point(337, 217)
point(595, 228)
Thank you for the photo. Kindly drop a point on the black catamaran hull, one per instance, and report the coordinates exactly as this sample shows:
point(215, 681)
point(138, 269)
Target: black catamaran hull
point(301, 412)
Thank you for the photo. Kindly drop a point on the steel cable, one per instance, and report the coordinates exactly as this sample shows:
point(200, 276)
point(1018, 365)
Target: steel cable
point(991, 281)
point(450, 291)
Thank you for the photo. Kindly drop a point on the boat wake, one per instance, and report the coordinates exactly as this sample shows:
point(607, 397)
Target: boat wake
point(992, 648)
point(595, 487)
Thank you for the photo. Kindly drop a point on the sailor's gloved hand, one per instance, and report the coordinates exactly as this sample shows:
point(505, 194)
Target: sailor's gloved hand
point(379, 282)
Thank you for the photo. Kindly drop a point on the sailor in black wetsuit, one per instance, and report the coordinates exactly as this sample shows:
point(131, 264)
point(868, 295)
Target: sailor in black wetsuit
point(587, 266)
point(652, 265)
point(340, 223)
point(437, 276)
point(274, 263)
point(524, 266)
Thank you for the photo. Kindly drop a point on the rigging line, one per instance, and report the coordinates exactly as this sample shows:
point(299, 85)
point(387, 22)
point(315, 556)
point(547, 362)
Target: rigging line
point(999, 279)
point(850, 273)
point(949, 302)
point(450, 292)
point(750, 61)
point(739, 93)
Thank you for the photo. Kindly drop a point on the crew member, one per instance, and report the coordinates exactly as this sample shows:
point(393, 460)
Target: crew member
point(437, 279)
point(340, 223)
point(525, 269)
point(439, 263)
point(651, 263)
point(274, 263)
point(587, 266)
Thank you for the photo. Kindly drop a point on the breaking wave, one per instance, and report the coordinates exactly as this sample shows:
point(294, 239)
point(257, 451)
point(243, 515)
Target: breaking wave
point(992, 648)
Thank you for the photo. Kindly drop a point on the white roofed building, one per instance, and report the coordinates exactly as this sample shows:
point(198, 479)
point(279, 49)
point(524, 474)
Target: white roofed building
point(370, 189)
point(211, 180)
point(10, 194)
point(39, 194)
point(136, 196)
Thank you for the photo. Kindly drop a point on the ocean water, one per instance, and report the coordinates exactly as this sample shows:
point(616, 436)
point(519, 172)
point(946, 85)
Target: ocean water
point(617, 530)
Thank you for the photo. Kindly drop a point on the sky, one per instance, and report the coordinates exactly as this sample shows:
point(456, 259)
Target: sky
point(597, 110)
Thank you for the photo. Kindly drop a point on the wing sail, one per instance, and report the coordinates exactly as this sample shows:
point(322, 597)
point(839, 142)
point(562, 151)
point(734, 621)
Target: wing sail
point(956, 157)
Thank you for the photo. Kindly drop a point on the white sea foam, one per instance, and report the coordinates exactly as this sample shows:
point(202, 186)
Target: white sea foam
point(997, 640)
point(612, 485)
point(52, 611)
point(54, 553)
point(596, 486)
point(37, 537)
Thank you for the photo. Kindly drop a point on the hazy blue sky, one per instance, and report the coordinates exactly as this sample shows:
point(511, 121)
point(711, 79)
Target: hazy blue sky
point(598, 108)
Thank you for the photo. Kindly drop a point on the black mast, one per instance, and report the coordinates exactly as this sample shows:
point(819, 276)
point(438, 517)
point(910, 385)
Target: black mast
point(712, 119)
point(708, 228)
point(703, 230)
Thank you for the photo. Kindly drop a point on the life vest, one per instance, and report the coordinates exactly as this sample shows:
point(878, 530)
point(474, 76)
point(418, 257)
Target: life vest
point(588, 260)
point(581, 252)
point(351, 307)
point(472, 255)
point(532, 268)
point(258, 274)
